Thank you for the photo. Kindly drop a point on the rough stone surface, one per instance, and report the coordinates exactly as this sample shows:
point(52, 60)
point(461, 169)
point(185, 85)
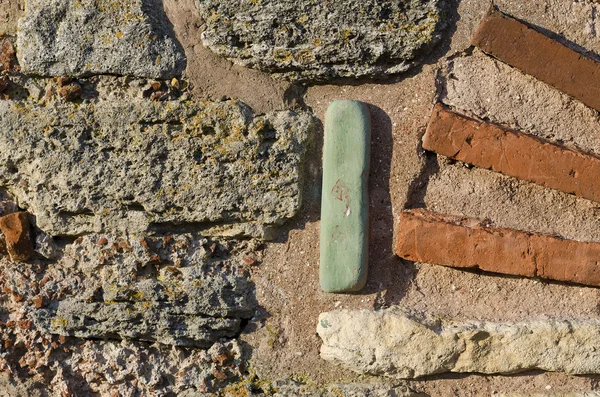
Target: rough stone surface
point(311, 40)
point(345, 202)
point(392, 343)
point(282, 339)
point(538, 55)
point(138, 165)
point(87, 37)
point(428, 237)
point(512, 153)
point(171, 290)
point(190, 276)
point(17, 236)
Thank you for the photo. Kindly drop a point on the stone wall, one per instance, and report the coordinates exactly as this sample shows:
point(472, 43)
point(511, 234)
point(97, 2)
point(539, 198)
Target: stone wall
point(160, 172)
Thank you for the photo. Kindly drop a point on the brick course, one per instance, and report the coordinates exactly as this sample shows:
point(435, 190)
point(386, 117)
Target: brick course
point(425, 236)
point(532, 52)
point(513, 153)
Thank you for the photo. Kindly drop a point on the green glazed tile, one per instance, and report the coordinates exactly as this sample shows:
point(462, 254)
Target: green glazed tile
point(345, 203)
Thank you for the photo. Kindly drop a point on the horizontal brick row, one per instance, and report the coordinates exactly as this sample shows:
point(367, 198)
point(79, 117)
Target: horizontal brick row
point(425, 236)
point(547, 60)
point(513, 153)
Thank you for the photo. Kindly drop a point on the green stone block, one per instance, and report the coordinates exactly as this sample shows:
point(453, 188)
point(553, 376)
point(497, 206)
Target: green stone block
point(345, 201)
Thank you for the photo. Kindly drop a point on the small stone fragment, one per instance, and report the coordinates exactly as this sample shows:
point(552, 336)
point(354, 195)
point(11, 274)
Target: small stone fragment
point(345, 203)
point(425, 236)
point(16, 230)
point(513, 153)
point(395, 344)
point(532, 52)
point(7, 55)
point(70, 91)
point(155, 85)
point(45, 245)
point(309, 40)
point(83, 38)
point(63, 80)
point(38, 301)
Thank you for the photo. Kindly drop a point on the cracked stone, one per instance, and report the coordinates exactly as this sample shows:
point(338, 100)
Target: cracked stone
point(138, 165)
point(168, 289)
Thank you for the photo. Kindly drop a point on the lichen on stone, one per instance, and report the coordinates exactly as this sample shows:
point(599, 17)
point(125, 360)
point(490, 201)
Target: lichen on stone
point(87, 37)
point(312, 40)
point(139, 165)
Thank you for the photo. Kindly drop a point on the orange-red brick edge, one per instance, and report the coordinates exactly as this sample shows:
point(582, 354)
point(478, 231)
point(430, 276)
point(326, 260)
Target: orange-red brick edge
point(17, 234)
point(538, 55)
point(425, 236)
point(513, 153)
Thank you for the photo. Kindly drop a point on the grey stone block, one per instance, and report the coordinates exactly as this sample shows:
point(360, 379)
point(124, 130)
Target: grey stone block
point(312, 40)
point(138, 165)
point(88, 37)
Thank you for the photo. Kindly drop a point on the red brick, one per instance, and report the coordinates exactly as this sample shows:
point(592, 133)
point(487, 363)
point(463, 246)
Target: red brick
point(425, 236)
point(15, 228)
point(538, 55)
point(513, 153)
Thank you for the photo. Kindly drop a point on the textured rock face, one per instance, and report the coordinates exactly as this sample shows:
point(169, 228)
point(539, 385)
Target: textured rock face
point(86, 37)
point(138, 165)
point(315, 40)
point(173, 290)
point(164, 285)
point(394, 344)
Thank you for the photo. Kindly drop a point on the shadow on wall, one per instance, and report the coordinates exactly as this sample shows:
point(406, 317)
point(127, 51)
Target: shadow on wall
point(386, 272)
point(155, 10)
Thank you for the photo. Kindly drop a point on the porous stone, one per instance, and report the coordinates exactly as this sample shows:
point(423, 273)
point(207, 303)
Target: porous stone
point(170, 290)
point(87, 37)
point(345, 200)
point(316, 41)
point(396, 344)
point(141, 165)
point(128, 368)
point(141, 320)
point(17, 236)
